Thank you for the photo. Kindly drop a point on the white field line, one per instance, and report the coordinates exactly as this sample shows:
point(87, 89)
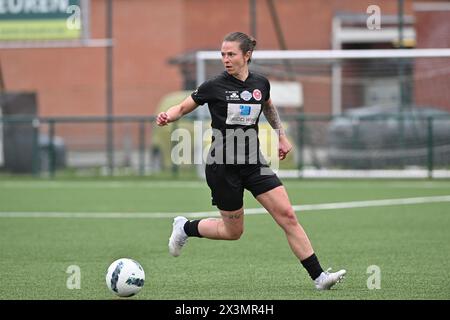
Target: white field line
point(101, 185)
point(251, 211)
point(202, 185)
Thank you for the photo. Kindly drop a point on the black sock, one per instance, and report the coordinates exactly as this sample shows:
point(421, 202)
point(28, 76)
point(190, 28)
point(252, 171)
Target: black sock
point(312, 265)
point(191, 228)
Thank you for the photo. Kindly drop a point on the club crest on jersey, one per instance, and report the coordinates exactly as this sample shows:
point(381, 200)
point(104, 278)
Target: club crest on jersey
point(257, 95)
point(245, 95)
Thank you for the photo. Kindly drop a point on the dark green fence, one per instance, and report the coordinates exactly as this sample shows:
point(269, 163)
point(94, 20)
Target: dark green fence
point(46, 131)
point(380, 142)
point(45, 146)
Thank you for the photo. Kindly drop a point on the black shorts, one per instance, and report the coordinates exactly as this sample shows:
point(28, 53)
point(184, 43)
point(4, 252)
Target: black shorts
point(227, 183)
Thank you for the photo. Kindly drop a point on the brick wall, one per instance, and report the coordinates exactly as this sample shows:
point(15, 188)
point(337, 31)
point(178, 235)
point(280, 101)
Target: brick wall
point(432, 82)
point(148, 33)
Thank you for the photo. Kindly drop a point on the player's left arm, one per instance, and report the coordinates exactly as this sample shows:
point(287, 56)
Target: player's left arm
point(271, 114)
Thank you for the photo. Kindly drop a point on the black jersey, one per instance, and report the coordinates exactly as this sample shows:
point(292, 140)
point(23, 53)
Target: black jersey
point(235, 108)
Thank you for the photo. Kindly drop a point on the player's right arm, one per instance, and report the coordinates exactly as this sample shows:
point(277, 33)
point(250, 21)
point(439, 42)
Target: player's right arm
point(176, 112)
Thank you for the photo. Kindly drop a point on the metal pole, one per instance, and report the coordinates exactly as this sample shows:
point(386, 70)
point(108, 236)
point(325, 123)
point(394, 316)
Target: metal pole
point(276, 24)
point(141, 147)
point(2, 82)
point(401, 62)
point(85, 20)
point(280, 36)
point(51, 148)
point(430, 148)
point(336, 71)
point(36, 163)
point(253, 18)
point(336, 88)
point(401, 76)
point(301, 144)
point(400, 23)
point(109, 88)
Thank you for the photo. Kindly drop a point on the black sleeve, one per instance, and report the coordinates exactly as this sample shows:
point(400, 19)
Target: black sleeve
point(268, 90)
point(203, 94)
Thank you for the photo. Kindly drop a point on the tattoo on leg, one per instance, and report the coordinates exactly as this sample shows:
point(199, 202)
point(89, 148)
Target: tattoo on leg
point(233, 215)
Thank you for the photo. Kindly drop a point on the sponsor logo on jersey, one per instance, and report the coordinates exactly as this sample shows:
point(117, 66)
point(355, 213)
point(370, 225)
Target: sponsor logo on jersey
point(245, 95)
point(245, 110)
point(257, 94)
point(232, 96)
point(242, 114)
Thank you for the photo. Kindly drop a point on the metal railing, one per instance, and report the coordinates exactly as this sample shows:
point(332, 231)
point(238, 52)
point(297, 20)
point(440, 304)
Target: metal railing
point(321, 141)
point(36, 124)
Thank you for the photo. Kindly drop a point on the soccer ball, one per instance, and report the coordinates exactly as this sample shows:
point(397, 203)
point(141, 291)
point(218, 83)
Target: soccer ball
point(125, 277)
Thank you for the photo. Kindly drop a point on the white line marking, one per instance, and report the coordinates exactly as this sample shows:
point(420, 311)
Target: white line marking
point(205, 214)
point(101, 185)
point(202, 185)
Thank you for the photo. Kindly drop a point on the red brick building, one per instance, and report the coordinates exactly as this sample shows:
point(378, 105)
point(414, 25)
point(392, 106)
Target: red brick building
point(147, 34)
point(433, 31)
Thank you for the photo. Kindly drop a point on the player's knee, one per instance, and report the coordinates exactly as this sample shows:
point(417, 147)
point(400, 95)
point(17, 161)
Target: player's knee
point(235, 234)
point(288, 217)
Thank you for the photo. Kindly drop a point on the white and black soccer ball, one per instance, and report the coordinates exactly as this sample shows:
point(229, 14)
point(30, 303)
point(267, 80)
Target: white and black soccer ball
point(125, 277)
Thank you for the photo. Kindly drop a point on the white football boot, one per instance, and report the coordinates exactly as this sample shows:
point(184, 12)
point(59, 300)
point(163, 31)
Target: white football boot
point(328, 279)
point(178, 237)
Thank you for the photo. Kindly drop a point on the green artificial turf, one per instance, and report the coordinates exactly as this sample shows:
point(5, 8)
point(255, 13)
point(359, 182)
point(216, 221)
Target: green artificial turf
point(410, 243)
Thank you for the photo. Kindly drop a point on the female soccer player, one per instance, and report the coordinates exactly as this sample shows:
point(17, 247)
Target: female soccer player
point(236, 99)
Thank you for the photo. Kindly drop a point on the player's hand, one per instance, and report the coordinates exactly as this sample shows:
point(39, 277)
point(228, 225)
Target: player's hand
point(162, 119)
point(284, 147)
